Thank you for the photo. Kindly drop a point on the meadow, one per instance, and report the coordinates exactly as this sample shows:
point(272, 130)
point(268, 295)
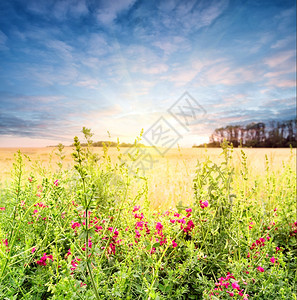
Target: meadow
point(87, 223)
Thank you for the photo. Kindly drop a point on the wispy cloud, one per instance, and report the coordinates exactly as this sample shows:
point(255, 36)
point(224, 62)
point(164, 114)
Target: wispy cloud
point(119, 65)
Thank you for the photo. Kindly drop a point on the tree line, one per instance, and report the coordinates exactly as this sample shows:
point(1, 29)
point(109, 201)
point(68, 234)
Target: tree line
point(275, 134)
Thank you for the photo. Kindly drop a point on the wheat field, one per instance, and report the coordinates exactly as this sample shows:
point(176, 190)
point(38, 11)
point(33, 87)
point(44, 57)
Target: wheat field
point(169, 176)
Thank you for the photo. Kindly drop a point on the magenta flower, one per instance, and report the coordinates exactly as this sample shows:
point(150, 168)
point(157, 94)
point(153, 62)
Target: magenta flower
point(136, 208)
point(137, 234)
point(189, 210)
point(56, 182)
point(260, 269)
point(153, 250)
point(174, 244)
point(273, 259)
point(235, 286)
point(203, 204)
point(33, 250)
point(159, 226)
point(75, 224)
point(43, 259)
point(2, 208)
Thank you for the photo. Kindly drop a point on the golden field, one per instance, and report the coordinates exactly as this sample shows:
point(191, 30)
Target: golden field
point(170, 176)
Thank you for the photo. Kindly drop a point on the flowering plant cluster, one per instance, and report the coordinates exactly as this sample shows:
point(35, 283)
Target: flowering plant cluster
point(78, 234)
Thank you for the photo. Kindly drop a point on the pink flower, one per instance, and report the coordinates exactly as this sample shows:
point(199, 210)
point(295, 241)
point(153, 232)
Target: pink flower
point(30, 179)
point(56, 182)
point(136, 208)
point(273, 259)
point(33, 250)
point(75, 224)
point(235, 286)
point(68, 253)
point(189, 210)
point(260, 269)
point(174, 244)
point(42, 261)
point(137, 234)
point(159, 226)
point(35, 211)
point(203, 204)
point(153, 250)
point(230, 293)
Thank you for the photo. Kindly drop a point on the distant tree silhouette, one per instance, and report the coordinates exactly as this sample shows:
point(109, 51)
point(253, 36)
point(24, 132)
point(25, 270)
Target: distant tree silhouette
point(275, 134)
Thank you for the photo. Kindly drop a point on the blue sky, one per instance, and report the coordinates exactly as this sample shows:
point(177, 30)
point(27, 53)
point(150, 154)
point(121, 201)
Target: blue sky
point(118, 66)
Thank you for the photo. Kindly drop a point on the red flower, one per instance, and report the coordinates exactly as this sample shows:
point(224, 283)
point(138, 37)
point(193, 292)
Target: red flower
point(235, 286)
point(260, 269)
point(159, 226)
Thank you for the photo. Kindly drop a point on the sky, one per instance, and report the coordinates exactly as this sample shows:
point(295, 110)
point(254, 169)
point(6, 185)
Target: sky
point(118, 67)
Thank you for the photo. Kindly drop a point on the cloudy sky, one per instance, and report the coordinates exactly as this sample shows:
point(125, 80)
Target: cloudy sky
point(119, 66)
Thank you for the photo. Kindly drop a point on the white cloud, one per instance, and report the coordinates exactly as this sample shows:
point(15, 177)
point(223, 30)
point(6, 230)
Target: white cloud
point(3, 40)
point(279, 58)
point(109, 10)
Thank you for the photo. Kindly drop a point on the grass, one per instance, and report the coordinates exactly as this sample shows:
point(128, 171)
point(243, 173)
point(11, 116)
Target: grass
point(201, 224)
point(170, 178)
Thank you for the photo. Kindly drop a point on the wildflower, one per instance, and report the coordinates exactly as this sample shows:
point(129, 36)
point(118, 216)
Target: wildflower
point(35, 211)
point(189, 210)
point(33, 250)
point(159, 226)
point(174, 244)
point(2, 208)
point(260, 269)
point(43, 259)
point(136, 208)
point(153, 250)
point(203, 204)
point(141, 216)
point(30, 179)
point(190, 226)
point(137, 234)
point(68, 253)
point(235, 286)
point(273, 259)
point(56, 182)
point(75, 224)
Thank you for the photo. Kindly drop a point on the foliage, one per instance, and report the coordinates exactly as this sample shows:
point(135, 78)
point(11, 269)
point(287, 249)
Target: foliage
point(82, 234)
